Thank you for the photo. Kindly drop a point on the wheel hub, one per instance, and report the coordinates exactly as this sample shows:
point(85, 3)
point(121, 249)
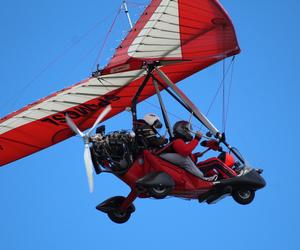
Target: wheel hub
point(244, 194)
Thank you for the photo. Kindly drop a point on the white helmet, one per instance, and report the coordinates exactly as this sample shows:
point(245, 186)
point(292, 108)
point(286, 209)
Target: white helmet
point(153, 120)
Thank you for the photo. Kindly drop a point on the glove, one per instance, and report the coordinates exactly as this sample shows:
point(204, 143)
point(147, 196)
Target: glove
point(212, 144)
point(164, 139)
point(198, 135)
point(199, 154)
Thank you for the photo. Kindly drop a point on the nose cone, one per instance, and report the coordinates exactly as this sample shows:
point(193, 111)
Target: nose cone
point(255, 179)
point(261, 183)
point(252, 180)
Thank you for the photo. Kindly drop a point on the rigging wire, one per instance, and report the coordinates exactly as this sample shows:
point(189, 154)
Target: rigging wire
point(218, 90)
point(120, 9)
point(225, 108)
point(225, 72)
point(98, 58)
point(12, 101)
point(229, 90)
point(223, 95)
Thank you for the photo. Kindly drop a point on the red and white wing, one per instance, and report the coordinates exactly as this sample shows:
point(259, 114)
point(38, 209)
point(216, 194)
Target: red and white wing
point(186, 36)
point(43, 123)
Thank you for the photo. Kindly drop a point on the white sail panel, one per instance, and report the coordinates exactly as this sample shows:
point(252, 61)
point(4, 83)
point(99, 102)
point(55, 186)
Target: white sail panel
point(160, 38)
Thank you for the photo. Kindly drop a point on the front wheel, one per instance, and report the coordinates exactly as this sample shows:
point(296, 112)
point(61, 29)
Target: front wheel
point(243, 196)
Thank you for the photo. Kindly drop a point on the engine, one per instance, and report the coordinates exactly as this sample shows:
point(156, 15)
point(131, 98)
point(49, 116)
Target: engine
point(114, 150)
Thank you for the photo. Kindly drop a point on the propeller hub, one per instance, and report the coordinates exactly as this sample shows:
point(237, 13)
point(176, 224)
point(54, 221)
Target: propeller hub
point(86, 139)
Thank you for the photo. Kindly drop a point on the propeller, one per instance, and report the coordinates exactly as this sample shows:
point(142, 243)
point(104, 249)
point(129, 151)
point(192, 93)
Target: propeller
point(86, 140)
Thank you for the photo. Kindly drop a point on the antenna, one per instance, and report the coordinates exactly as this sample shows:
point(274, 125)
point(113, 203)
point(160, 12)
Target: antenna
point(127, 13)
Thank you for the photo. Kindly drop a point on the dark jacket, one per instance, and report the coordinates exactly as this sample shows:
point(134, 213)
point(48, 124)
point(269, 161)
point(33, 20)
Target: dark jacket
point(147, 136)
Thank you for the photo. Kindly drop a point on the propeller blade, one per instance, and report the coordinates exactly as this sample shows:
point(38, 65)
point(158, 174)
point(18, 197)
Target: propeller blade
point(100, 118)
point(73, 126)
point(89, 166)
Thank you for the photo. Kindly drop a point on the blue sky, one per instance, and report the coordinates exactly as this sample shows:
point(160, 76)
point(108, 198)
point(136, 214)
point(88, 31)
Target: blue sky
point(45, 203)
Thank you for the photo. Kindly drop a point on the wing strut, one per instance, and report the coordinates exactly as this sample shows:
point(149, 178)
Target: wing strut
point(173, 95)
point(138, 93)
point(197, 113)
point(189, 104)
point(163, 109)
point(180, 97)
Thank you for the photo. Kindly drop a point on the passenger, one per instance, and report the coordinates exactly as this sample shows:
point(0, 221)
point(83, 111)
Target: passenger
point(147, 134)
point(180, 150)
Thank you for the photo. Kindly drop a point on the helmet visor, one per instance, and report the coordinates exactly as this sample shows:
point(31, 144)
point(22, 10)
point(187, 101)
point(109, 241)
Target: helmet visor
point(157, 124)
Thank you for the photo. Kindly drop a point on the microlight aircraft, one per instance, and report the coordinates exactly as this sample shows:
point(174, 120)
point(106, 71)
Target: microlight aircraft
point(172, 40)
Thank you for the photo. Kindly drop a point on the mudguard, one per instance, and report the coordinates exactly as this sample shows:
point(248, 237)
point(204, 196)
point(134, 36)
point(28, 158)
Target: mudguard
point(156, 179)
point(113, 203)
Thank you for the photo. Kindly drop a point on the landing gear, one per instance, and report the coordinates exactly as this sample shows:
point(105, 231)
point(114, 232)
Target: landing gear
point(118, 208)
point(243, 196)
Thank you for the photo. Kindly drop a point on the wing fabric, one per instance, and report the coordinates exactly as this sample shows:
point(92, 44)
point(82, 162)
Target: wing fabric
point(197, 32)
point(43, 123)
point(185, 36)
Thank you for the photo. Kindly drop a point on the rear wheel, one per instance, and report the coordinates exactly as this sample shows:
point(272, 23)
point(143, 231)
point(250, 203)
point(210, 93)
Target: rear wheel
point(114, 212)
point(243, 196)
point(118, 216)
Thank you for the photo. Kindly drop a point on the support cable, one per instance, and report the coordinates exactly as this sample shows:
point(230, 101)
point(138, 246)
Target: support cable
point(218, 90)
point(98, 58)
point(223, 95)
point(229, 90)
point(12, 101)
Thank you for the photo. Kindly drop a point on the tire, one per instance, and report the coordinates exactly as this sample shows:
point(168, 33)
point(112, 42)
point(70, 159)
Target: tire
point(118, 216)
point(114, 212)
point(243, 196)
point(159, 192)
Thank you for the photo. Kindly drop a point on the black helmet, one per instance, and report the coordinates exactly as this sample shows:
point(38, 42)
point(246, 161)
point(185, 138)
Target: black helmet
point(181, 130)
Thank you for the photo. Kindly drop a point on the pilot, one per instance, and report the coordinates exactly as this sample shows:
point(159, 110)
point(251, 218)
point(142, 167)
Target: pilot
point(147, 134)
point(180, 150)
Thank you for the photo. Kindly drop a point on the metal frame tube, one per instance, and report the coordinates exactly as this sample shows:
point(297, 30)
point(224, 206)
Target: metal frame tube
point(136, 97)
point(163, 109)
point(196, 112)
point(127, 13)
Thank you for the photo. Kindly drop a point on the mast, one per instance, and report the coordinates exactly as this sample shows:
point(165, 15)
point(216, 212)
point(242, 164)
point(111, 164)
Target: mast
point(127, 13)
